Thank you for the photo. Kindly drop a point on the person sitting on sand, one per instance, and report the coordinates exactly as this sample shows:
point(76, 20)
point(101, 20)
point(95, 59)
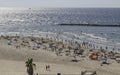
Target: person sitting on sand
point(9, 42)
point(93, 56)
point(104, 60)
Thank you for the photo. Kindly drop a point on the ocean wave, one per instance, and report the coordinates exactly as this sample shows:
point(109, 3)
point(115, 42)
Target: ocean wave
point(94, 37)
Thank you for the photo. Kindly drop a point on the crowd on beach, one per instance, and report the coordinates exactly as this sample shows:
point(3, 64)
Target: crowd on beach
point(64, 48)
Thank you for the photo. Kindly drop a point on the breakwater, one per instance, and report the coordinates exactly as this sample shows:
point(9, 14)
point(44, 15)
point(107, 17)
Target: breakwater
point(100, 25)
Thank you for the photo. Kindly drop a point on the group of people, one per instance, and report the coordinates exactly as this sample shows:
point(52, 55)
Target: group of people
point(59, 47)
point(47, 67)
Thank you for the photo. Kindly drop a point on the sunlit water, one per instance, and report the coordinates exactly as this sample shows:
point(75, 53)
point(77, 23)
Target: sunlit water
point(44, 21)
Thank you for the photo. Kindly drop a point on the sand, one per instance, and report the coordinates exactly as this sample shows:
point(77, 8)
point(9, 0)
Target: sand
point(12, 62)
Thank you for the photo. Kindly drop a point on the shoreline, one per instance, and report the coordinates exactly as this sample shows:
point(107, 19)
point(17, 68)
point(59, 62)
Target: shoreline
point(59, 36)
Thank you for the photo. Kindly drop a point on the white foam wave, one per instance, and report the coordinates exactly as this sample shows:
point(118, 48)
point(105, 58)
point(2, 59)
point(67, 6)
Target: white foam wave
point(95, 37)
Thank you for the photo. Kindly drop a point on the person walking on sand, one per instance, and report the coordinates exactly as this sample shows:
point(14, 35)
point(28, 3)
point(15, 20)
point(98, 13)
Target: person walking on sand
point(46, 68)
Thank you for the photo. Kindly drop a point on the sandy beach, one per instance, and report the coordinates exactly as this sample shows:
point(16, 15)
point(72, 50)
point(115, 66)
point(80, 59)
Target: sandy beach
point(12, 60)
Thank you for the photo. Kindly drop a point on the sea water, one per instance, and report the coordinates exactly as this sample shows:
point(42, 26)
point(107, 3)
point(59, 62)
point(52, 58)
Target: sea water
point(42, 21)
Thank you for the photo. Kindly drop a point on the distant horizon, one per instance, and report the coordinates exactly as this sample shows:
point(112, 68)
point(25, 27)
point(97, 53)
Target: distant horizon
point(61, 3)
point(56, 7)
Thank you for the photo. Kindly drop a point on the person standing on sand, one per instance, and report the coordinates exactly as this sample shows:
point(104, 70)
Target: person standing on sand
point(47, 67)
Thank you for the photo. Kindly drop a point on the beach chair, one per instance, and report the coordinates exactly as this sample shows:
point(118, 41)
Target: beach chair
point(88, 72)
